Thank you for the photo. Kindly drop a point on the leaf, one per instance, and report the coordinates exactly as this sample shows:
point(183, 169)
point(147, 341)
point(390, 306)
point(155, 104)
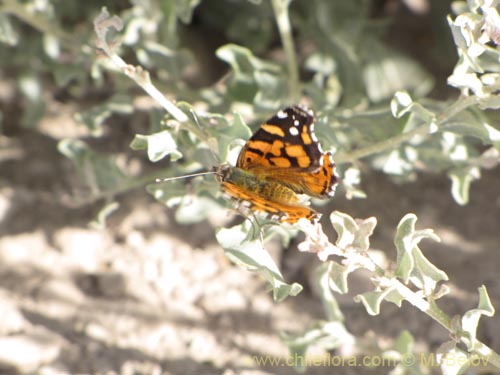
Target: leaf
point(405, 343)
point(196, 208)
point(104, 213)
point(411, 263)
point(95, 117)
point(490, 158)
point(327, 335)
point(172, 63)
point(473, 124)
point(324, 89)
point(403, 352)
point(471, 318)
point(372, 300)
point(226, 137)
point(475, 35)
point(33, 113)
point(352, 233)
point(99, 171)
point(454, 362)
point(366, 228)
point(402, 104)
point(338, 27)
point(169, 193)
point(351, 181)
point(338, 277)
point(323, 275)
point(253, 80)
point(32, 88)
point(66, 74)
point(346, 228)
point(249, 23)
point(51, 46)
point(8, 34)
point(158, 145)
point(184, 9)
point(397, 164)
point(252, 255)
point(221, 133)
point(194, 203)
point(461, 179)
point(272, 88)
point(321, 63)
point(388, 71)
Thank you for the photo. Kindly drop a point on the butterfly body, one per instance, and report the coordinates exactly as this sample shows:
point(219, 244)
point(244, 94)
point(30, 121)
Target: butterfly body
point(258, 184)
point(280, 161)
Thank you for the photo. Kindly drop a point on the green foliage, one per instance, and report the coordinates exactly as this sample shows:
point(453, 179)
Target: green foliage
point(373, 111)
point(95, 118)
point(242, 249)
point(253, 80)
point(412, 264)
point(158, 145)
point(99, 170)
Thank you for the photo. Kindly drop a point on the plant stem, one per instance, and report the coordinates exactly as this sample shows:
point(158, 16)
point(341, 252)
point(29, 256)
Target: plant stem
point(461, 104)
point(432, 310)
point(376, 148)
point(141, 76)
point(281, 14)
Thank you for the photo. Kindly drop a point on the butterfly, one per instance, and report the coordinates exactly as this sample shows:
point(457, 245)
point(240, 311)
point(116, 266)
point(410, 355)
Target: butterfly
point(281, 160)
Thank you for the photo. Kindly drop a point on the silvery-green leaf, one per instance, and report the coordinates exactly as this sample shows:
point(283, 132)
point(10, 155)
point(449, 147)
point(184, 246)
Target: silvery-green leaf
point(98, 171)
point(454, 362)
point(461, 179)
point(372, 300)
point(471, 318)
point(252, 255)
point(95, 117)
point(411, 263)
point(326, 335)
point(323, 275)
point(338, 277)
point(158, 145)
point(8, 34)
point(104, 213)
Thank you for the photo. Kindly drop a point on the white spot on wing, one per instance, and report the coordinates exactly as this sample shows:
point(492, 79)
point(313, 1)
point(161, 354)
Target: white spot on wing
point(313, 137)
point(293, 131)
point(282, 114)
point(296, 123)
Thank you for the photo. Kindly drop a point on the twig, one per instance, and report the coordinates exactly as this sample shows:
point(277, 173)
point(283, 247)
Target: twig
point(281, 15)
point(102, 24)
point(460, 105)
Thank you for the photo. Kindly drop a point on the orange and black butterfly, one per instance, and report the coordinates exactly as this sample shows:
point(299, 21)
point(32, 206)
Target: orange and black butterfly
point(281, 160)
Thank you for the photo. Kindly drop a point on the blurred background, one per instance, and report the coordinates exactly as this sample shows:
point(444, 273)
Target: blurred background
point(96, 276)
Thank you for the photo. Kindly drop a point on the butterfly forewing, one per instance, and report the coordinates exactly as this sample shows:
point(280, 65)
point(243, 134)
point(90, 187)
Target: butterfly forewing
point(286, 140)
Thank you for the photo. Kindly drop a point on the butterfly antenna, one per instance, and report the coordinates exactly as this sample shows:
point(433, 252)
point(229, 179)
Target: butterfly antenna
point(184, 176)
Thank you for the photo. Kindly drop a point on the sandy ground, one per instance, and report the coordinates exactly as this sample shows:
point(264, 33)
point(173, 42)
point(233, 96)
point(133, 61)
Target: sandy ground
point(148, 296)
